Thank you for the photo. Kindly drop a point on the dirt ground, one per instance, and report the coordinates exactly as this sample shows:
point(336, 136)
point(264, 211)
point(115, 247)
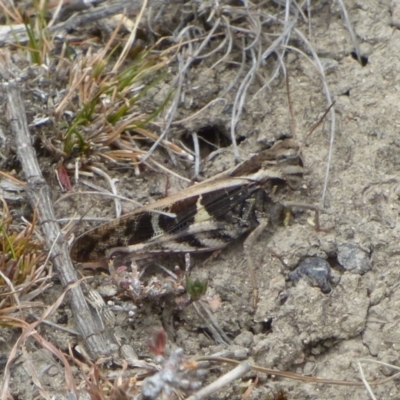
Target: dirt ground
point(296, 326)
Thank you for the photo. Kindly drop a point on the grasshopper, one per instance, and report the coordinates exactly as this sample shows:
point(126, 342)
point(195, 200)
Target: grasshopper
point(202, 218)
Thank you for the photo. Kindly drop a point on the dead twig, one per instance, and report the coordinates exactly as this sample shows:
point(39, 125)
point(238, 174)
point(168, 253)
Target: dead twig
point(39, 196)
point(238, 372)
point(297, 377)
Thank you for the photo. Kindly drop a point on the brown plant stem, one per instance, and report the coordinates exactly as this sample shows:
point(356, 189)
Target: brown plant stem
point(39, 196)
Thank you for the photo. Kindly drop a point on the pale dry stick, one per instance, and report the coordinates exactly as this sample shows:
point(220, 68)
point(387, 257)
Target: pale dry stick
point(112, 155)
point(193, 40)
point(203, 44)
point(30, 330)
point(211, 144)
point(203, 305)
point(287, 23)
point(166, 143)
point(366, 384)
point(197, 158)
point(228, 34)
point(274, 49)
point(282, 39)
point(309, 18)
point(184, 147)
point(94, 14)
point(257, 33)
point(218, 48)
point(238, 372)
point(332, 112)
point(68, 220)
point(238, 75)
point(256, 25)
point(150, 18)
point(367, 360)
point(168, 171)
point(102, 55)
point(294, 376)
point(111, 182)
point(218, 335)
point(12, 12)
point(165, 271)
point(39, 196)
point(56, 14)
point(243, 31)
point(72, 89)
point(248, 245)
point(36, 292)
point(50, 272)
point(186, 32)
point(240, 100)
point(292, 119)
point(287, 11)
point(351, 31)
point(100, 191)
point(169, 114)
point(105, 194)
point(8, 311)
point(274, 75)
point(12, 289)
point(197, 113)
point(131, 39)
point(28, 364)
point(14, 179)
point(300, 10)
point(94, 186)
point(178, 82)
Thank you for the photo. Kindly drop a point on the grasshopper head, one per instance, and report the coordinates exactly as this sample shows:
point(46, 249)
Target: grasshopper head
point(290, 162)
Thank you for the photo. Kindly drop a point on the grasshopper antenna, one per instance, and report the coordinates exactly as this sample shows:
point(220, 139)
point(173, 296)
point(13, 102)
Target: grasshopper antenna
point(319, 122)
point(292, 120)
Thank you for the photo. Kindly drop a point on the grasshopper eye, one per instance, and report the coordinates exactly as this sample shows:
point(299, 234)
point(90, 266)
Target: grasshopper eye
point(289, 157)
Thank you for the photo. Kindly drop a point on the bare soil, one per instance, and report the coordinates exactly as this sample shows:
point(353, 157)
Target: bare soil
point(296, 326)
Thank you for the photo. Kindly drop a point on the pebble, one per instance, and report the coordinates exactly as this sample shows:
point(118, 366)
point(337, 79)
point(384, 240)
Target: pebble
point(316, 271)
point(353, 259)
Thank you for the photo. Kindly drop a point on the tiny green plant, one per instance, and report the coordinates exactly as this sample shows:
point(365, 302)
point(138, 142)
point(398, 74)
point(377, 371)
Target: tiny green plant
point(196, 288)
point(39, 42)
point(107, 117)
point(20, 251)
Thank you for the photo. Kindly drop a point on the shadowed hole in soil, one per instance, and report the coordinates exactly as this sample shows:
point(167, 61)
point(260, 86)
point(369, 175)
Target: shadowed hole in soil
point(263, 327)
point(210, 137)
point(364, 60)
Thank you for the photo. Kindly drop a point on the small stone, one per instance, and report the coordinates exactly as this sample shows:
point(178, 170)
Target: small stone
point(316, 271)
point(395, 8)
point(353, 259)
point(244, 339)
point(107, 290)
point(52, 371)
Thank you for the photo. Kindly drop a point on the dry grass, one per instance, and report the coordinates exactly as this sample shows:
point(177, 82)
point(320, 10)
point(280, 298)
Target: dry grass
point(101, 118)
point(22, 259)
